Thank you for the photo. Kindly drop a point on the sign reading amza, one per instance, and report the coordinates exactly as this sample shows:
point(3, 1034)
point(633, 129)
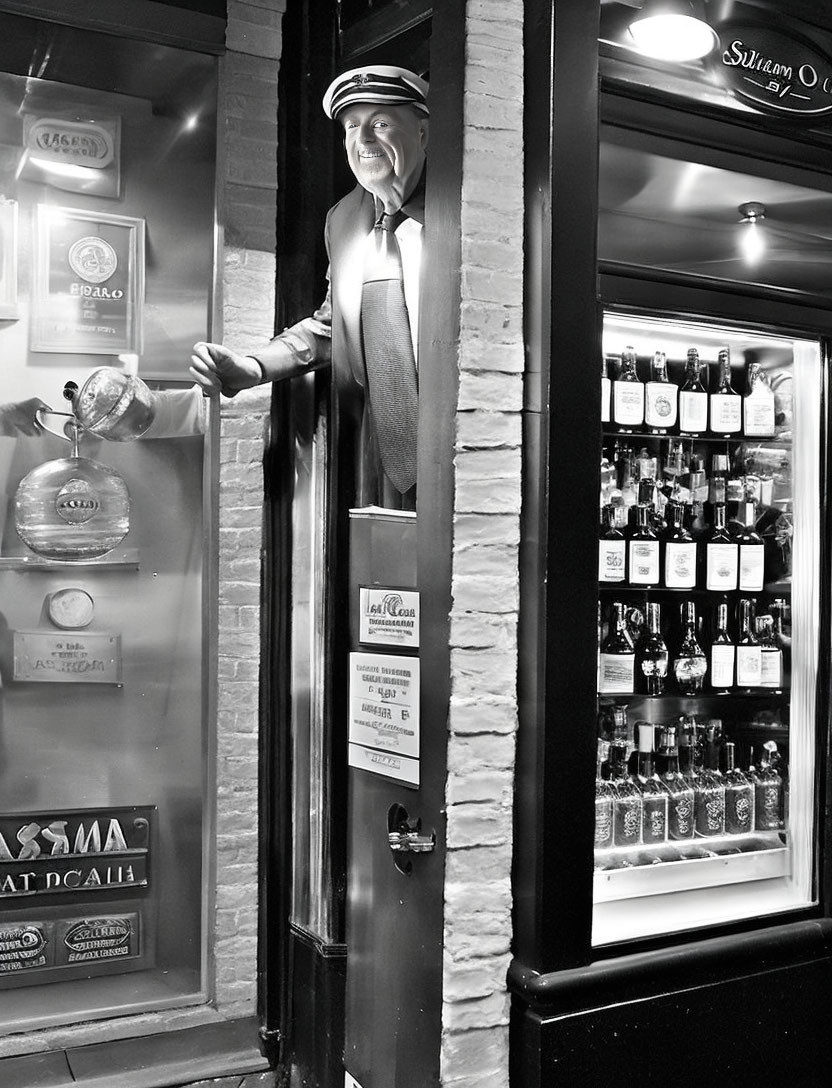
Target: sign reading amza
point(74, 851)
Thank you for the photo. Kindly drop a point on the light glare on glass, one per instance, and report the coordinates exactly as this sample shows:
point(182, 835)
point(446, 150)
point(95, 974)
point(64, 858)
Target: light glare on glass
point(673, 37)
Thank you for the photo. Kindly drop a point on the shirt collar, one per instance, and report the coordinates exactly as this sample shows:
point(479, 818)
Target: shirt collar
point(413, 207)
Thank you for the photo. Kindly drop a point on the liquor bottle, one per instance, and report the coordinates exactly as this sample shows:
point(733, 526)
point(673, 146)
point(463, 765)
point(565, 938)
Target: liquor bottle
point(749, 657)
point(679, 550)
point(771, 656)
point(739, 795)
point(604, 797)
point(768, 791)
point(654, 794)
point(606, 387)
point(718, 482)
point(693, 398)
point(725, 403)
point(612, 548)
point(751, 550)
point(758, 404)
point(651, 654)
point(722, 652)
point(616, 664)
point(627, 799)
point(721, 555)
point(709, 789)
point(689, 664)
point(680, 801)
point(643, 550)
point(660, 397)
point(628, 394)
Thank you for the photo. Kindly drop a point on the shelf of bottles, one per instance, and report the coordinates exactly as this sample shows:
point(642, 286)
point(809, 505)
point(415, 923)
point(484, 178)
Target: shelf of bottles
point(695, 542)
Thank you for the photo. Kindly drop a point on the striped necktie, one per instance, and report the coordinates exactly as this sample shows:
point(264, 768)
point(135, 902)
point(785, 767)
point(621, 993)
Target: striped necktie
point(388, 355)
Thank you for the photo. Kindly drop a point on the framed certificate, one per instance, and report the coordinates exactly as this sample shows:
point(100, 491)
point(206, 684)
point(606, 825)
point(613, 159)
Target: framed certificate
point(88, 282)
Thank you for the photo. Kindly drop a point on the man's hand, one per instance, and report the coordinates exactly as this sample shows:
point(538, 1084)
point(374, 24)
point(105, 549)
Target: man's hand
point(18, 417)
point(219, 370)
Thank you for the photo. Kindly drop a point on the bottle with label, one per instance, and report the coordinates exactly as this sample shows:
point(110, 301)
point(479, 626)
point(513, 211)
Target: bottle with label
point(739, 795)
point(608, 365)
point(654, 793)
point(693, 398)
point(604, 797)
point(643, 550)
point(612, 548)
point(751, 549)
point(749, 656)
point(651, 654)
point(628, 394)
point(768, 791)
point(709, 794)
point(721, 555)
point(771, 656)
point(679, 550)
point(660, 397)
point(616, 664)
point(627, 800)
point(680, 801)
point(722, 652)
point(689, 663)
point(758, 404)
point(725, 403)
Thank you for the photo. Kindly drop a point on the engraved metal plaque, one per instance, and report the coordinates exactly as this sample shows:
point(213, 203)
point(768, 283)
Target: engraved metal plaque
point(81, 657)
point(73, 852)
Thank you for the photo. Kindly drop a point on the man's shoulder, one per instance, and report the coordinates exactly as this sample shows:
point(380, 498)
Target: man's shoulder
point(356, 201)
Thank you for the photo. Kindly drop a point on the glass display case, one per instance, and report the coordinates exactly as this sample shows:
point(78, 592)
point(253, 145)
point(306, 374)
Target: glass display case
point(707, 625)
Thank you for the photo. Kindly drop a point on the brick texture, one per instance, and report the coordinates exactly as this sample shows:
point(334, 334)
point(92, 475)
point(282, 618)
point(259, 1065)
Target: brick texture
point(483, 712)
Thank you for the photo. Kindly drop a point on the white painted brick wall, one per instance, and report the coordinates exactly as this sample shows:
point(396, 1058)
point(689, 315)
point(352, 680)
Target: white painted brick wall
point(483, 711)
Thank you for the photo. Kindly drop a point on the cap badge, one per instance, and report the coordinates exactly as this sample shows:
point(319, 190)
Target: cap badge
point(359, 79)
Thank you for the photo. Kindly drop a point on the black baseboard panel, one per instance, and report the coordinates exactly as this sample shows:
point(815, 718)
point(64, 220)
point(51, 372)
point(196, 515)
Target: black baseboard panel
point(315, 1053)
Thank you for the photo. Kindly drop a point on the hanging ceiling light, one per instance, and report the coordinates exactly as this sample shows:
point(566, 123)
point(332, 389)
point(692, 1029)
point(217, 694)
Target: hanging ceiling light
point(672, 30)
point(752, 239)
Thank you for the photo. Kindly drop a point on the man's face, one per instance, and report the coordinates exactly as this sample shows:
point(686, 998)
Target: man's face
point(385, 145)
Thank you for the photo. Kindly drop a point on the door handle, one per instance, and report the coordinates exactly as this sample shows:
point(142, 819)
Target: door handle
point(404, 835)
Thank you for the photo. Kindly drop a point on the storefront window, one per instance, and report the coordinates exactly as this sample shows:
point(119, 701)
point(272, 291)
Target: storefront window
point(107, 161)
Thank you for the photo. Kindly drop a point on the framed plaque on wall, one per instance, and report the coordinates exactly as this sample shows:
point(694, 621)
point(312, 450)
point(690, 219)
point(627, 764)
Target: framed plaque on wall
point(88, 286)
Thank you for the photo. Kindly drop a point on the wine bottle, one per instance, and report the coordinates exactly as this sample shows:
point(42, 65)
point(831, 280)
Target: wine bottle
point(654, 794)
point(628, 394)
point(751, 550)
point(689, 664)
point(612, 548)
point(722, 652)
point(721, 555)
point(749, 660)
point(725, 403)
point(660, 397)
point(679, 550)
point(709, 791)
point(651, 654)
point(680, 802)
point(616, 665)
point(758, 404)
point(739, 795)
point(693, 398)
point(627, 801)
point(643, 550)
point(604, 798)
point(768, 791)
point(606, 387)
point(771, 656)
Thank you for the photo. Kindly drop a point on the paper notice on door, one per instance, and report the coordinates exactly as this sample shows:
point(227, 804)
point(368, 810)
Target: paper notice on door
point(384, 712)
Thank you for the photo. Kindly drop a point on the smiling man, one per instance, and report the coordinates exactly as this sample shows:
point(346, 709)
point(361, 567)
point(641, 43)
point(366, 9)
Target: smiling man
point(367, 325)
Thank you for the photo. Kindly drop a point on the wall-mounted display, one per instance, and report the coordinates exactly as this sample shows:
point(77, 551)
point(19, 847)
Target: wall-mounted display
point(88, 287)
point(66, 149)
point(8, 259)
